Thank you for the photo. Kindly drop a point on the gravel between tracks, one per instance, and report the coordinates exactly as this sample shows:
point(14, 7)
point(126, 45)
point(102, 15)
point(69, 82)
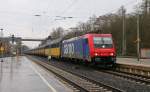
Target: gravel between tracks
point(128, 86)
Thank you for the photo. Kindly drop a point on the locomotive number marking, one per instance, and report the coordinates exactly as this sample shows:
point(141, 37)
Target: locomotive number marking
point(69, 48)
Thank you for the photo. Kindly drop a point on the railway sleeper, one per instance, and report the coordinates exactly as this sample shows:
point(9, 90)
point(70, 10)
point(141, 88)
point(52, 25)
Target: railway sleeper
point(85, 84)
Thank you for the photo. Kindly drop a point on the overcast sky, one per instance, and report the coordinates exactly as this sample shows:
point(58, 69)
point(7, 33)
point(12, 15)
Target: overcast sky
point(18, 16)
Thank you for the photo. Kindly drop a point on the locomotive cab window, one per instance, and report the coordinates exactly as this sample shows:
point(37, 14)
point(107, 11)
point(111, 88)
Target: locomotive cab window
point(103, 42)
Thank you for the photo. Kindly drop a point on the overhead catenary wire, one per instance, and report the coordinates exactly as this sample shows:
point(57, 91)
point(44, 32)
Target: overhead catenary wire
point(109, 12)
point(69, 7)
point(116, 9)
point(64, 11)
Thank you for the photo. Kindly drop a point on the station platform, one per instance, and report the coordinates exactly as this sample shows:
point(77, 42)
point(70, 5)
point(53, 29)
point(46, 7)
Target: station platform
point(134, 61)
point(19, 74)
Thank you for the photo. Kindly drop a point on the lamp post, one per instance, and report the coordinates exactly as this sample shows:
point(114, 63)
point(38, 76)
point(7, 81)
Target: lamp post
point(1, 47)
point(138, 37)
point(123, 31)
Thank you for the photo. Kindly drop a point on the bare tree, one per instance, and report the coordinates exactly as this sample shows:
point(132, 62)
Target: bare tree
point(57, 33)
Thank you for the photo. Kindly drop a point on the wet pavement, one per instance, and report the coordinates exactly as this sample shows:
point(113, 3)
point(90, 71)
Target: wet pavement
point(19, 74)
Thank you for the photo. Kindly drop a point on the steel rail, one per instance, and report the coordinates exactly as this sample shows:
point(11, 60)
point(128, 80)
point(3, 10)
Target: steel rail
point(82, 83)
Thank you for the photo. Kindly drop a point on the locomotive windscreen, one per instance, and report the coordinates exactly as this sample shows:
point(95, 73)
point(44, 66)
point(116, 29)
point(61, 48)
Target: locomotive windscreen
point(103, 42)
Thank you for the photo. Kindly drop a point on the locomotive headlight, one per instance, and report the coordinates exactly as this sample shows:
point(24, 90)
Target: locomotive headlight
point(111, 54)
point(96, 54)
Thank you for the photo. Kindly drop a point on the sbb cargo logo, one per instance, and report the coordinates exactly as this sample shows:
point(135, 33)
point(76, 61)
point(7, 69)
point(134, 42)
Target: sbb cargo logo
point(69, 48)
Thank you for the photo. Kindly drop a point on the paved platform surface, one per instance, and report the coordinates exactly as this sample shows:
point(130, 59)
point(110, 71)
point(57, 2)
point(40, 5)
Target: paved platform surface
point(134, 61)
point(19, 74)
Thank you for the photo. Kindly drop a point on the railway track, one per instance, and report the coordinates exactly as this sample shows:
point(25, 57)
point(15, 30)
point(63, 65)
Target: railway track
point(115, 79)
point(81, 83)
point(130, 77)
